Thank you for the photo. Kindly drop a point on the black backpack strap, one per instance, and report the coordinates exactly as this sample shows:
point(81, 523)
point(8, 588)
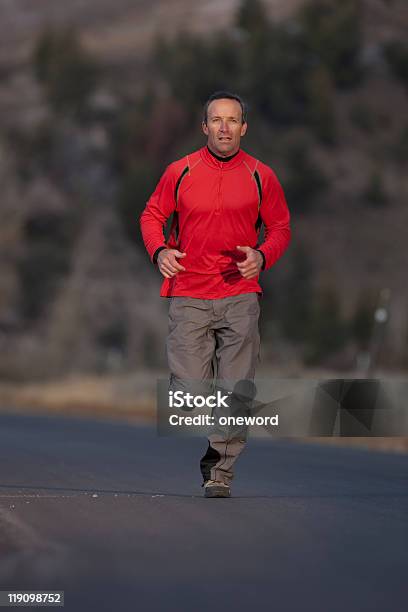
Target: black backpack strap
point(174, 224)
point(177, 187)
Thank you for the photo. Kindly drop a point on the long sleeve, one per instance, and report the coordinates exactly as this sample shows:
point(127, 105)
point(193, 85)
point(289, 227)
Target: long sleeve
point(275, 216)
point(158, 209)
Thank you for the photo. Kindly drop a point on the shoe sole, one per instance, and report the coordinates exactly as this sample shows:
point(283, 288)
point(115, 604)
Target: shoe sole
point(217, 492)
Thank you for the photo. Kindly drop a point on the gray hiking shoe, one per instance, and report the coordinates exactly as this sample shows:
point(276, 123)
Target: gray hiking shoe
point(215, 488)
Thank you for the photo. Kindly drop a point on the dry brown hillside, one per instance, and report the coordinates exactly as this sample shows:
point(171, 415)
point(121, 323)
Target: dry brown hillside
point(117, 30)
point(105, 313)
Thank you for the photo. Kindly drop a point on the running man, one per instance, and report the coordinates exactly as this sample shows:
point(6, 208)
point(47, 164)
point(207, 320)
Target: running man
point(219, 197)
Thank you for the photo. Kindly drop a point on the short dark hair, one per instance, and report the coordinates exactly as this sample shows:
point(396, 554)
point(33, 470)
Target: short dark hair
point(221, 95)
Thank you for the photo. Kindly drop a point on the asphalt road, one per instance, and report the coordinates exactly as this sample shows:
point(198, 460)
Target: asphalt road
point(114, 516)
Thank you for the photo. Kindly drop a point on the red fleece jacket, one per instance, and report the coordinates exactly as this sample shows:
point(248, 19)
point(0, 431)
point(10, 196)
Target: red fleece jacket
point(217, 206)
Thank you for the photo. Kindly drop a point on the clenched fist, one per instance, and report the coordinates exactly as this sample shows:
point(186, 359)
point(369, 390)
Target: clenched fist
point(251, 266)
point(168, 264)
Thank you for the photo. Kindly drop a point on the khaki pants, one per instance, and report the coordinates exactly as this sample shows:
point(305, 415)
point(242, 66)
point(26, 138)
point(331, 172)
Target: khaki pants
point(216, 340)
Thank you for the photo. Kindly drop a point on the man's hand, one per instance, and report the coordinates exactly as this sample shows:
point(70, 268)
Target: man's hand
point(168, 264)
point(253, 263)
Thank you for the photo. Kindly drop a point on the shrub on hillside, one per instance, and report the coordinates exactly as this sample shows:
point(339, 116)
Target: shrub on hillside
point(400, 148)
point(362, 117)
point(306, 182)
point(251, 17)
point(321, 115)
point(296, 304)
point(192, 67)
point(45, 259)
point(374, 194)
point(396, 54)
point(362, 321)
point(32, 149)
point(327, 331)
point(66, 71)
point(137, 186)
point(332, 32)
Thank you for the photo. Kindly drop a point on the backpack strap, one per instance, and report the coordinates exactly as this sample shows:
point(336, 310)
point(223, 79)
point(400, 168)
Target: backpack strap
point(186, 170)
point(257, 178)
point(174, 226)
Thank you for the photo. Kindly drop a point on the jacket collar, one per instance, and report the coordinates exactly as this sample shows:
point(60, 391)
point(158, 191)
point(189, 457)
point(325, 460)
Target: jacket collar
point(213, 162)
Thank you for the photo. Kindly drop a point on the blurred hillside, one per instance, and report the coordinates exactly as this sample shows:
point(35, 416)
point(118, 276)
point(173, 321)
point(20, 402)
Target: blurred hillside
point(97, 97)
point(116, 31)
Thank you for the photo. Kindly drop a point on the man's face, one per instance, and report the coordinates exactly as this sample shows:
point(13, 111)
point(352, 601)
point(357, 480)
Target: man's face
point(224, 127)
